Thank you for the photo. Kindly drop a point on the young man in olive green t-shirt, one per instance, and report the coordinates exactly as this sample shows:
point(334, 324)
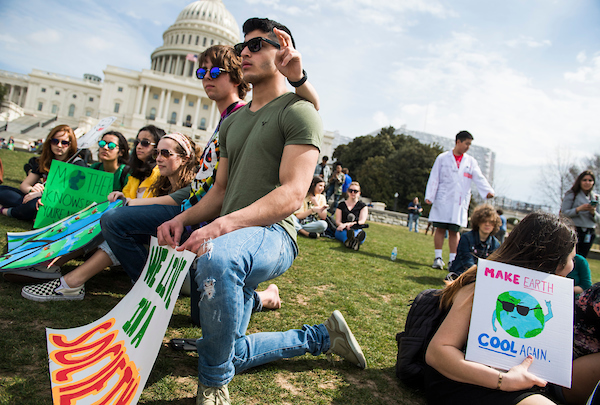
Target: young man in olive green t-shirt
point(268, 151)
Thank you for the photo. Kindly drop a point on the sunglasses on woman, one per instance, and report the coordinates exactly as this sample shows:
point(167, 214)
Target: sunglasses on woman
point(351, 190)
point(55, 142)
point(109, 145)
point(144, 142)
point(214, 72)
point(166, 153)
point(254, 45)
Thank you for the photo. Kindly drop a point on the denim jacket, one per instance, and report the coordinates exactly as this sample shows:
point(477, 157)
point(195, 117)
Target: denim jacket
point(470, 248)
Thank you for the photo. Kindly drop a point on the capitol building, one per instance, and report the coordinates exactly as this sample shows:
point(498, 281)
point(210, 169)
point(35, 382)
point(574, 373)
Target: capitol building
point(168, 94)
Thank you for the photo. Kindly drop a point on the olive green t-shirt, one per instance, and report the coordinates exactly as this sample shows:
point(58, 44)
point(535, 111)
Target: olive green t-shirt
point(253, 143)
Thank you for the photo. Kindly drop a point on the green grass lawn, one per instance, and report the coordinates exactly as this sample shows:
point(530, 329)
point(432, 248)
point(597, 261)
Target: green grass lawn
point(366, 286)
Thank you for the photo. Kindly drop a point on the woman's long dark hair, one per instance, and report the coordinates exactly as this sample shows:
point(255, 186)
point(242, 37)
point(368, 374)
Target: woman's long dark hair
point(541, 242)
point(313, 184)
point(577, 185)
point(142, 170)
point(123, 146)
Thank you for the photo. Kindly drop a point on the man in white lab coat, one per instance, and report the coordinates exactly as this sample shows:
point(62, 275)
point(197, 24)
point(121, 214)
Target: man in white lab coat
point(449, 190)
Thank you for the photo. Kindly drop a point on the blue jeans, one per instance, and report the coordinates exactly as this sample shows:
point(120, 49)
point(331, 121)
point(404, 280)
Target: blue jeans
point(227, 276)
point(128, 229)
point(12, 198)
point(341, 235)
point(315, 226)
point(413, 219)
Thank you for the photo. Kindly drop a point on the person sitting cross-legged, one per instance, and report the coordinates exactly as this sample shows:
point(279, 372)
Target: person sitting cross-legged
point(350, 218)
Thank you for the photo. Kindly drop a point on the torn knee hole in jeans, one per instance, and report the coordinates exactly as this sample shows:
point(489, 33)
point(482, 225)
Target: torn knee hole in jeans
point(208, 289)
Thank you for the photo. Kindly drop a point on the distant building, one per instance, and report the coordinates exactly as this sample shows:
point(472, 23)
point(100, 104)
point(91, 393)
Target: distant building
point(167, 95)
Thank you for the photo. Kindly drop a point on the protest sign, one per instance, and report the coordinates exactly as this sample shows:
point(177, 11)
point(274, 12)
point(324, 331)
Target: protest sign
point(519, 312)
point(70, 236)
point(70, 188)
point(109, 361)
point(91, 137)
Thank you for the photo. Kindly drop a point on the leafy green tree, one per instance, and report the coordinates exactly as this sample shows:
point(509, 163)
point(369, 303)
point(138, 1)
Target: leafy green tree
point(388, 163)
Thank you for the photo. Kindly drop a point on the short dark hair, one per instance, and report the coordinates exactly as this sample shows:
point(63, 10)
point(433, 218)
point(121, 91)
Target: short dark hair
point(463, 135)
point(225, 57)
point(336, 164)
point(326, 158)
point(265, 25)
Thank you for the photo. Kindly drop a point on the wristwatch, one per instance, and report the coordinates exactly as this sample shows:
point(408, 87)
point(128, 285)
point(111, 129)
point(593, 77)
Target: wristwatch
point(301, 81)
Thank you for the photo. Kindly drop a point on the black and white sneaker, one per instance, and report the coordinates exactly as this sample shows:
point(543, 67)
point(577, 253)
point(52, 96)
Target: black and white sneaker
point(52, 291)
point(438, 263)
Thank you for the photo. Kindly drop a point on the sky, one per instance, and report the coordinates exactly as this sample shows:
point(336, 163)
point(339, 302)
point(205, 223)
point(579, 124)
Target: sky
point(523, 76)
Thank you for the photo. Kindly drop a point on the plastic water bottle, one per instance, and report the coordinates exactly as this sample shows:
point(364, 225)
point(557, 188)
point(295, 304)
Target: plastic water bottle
point(394, 254)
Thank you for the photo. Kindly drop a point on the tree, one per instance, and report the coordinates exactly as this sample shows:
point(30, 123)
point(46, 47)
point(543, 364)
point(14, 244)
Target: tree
point(388, 163)
point(557, 177)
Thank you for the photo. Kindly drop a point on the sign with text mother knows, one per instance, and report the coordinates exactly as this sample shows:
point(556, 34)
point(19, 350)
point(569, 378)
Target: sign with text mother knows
point(109, 361)
point(519, 312)
point(69, 189)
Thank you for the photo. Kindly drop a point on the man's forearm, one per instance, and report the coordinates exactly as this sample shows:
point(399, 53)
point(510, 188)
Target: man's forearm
point(209, 207)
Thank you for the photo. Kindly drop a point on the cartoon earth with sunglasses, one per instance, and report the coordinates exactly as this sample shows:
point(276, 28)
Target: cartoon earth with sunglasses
point(520, 315)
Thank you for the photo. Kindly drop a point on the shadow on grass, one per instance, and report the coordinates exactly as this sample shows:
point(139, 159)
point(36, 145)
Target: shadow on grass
point(426, 280)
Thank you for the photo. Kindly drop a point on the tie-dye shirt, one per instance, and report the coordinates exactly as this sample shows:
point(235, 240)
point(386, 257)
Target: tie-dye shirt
point(209, 163)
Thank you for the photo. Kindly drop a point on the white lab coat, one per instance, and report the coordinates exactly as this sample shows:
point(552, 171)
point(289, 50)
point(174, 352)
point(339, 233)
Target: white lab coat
point(449, 188)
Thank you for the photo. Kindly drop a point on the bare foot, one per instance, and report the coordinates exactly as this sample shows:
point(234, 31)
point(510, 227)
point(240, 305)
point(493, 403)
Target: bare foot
point(270, 297)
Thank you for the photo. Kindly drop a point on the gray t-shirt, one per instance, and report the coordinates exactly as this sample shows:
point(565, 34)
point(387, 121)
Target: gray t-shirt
point(253, 143)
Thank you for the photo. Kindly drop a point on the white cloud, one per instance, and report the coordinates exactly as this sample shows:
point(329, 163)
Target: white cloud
point(46, 37)
point(8, 39)
point(528, 42)
point(586, 74)
point(581, 57)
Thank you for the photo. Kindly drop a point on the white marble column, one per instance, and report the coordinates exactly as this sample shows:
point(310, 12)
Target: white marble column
point(183, 101)
point(10, 93)
point(23, 93)
point(167, 104)
point(177, 66)
point(145, 102)
point(138, 99)
point(211, 123)
point(197, 113)
point(186, 68)
point(161, 102)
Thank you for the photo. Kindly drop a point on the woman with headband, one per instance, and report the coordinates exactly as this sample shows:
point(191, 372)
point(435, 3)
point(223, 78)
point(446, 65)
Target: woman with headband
point(177, 158)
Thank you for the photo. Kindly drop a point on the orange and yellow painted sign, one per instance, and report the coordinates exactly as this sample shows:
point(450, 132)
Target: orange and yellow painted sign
point(109, 361)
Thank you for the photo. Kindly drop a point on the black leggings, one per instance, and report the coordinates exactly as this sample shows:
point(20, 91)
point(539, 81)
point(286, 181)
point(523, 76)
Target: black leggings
point(582, 247)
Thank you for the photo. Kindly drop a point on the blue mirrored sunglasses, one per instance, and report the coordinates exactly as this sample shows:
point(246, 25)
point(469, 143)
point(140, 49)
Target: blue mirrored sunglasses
point(110, 145)
point(214, 72)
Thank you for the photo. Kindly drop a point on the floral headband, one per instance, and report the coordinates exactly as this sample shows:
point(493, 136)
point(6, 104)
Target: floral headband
point(182, 140)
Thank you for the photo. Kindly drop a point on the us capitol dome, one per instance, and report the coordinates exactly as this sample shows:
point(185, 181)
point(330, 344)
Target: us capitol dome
point(167, 95)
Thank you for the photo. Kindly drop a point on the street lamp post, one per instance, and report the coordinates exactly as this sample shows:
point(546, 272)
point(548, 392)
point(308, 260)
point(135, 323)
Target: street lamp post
point(395, 201)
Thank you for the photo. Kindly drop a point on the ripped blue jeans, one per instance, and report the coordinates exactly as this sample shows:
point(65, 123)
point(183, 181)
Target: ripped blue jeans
point(227, 276)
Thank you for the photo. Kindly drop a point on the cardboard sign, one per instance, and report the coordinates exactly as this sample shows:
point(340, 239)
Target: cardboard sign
point(91, 137)
point(519, 312)
point(109, 361)
point(69, 189)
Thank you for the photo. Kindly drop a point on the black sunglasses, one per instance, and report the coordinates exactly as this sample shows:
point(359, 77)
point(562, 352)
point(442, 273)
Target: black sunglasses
point(254, 45)
point(214, 72)
point(522, 310)
point(111, 145)
point(55, 142)
point(351, 190)
point(166, 153)
point(144, 142)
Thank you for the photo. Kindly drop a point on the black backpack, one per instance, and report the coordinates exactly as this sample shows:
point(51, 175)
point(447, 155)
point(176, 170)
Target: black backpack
point(423, 320)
